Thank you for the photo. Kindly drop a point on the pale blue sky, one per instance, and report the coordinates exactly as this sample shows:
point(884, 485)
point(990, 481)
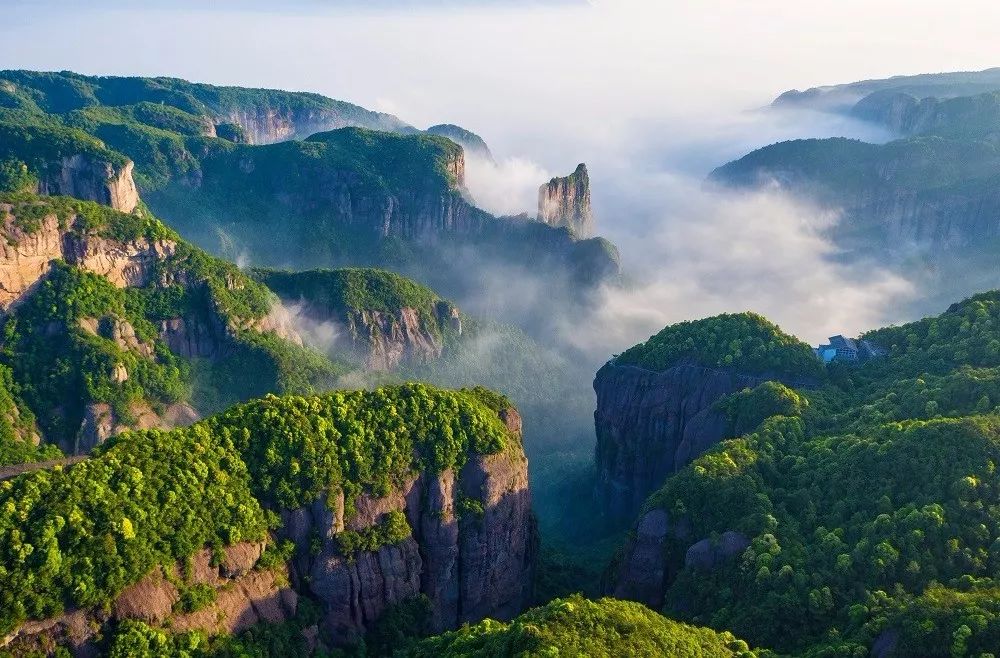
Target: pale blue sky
point(650, 93)
point(506, 66)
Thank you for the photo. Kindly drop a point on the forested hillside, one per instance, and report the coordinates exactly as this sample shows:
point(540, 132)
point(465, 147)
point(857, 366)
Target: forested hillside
point(857, 514)
point(280, 177)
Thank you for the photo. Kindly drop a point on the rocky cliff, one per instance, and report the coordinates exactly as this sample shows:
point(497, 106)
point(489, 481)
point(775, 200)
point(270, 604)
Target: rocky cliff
point(380, 318)
point(925, 194)
point(290, 177)
point(149, 300)
point(963, 117)
point(266, 124)
point(264, 115)
point(471, 549)
point(241, 596)
point(642, 572)
point(650, 424)
point(462, 535)
point(91, 179)
point(565, 202)
point(26, 255)
point(656, 402)
point(387, 339)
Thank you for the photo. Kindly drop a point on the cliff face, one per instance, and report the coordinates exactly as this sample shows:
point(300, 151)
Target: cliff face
point(25, 257)
point(91, 179)
point(384, 340)
point(469, 547)
point(643, 573)
point(923, 193)
point(565, 202)
point(243, 597)
point(379, 317)
point(39, 249)
point(649, 424)
point(471, 550)
point(909, 216)
point(966, 116)
point(262, 124)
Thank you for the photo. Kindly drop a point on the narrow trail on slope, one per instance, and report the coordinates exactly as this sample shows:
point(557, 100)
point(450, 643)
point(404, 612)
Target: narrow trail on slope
point(8, 472)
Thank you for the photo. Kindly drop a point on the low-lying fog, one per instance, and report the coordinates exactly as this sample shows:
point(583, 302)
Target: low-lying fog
point(652, 95)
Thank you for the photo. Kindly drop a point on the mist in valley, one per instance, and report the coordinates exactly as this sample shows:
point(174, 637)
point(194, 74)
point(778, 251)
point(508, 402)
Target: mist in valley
point(651, 97)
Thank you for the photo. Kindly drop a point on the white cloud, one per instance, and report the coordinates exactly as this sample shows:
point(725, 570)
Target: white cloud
point(508, 186)
point(698, 251)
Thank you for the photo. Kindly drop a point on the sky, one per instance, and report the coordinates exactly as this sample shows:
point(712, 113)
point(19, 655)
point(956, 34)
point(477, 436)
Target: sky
point(652, 94)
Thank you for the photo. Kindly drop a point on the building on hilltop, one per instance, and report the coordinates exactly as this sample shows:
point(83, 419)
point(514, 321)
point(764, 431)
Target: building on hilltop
point(849, 350)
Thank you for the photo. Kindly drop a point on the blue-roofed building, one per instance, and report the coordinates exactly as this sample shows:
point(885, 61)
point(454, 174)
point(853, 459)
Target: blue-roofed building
point(850, 350)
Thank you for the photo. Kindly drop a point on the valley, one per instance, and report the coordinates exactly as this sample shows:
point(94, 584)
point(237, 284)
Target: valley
point(263, 392)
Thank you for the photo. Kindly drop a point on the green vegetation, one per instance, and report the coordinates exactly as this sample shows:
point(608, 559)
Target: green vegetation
point(135, 639)
point(18, 431)
point(160, 123)
point(579, 627)
point(744, 341)
point(750, 407)
point(64, 92)
point(472, 143)
point(299, 447)
point(195, 597)
point(345, 293)
point(269, 198)
point(77, 537)
point(390, 530)
point(352, 289)
point(83, 218)
point(109, 349)
point(16, 177)
point(869, 503)
point(85, 364)
point(205, 159)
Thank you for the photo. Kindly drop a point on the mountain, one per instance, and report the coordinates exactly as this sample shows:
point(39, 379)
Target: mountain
point(925, 200)
point(470, 142)
point(254, 116)
point(275, 177)
point(839, 98)
point(657, 401)
point(354, 501)
point(930, 194)
point(111, 322)
point(852, 515)
point(924, 206)
point(382, 318)
point(609, 628)
point(565, 202)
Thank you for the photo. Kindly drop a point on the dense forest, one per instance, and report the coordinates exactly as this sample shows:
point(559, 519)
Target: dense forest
point(867, 503)
point(322, 451)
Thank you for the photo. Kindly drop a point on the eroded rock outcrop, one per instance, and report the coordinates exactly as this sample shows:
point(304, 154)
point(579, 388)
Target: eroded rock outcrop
point(92, 179)
point(649, 424)
point(644, 569)
point(100, 422)
point(471, 549)
point(565, 202)
point(384, 340)
point(25, 256)
point(264, 124)
point(242, 597)
point(381, 318)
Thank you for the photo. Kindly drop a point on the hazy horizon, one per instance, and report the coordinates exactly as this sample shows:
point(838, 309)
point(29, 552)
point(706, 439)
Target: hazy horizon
point(652, 97)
